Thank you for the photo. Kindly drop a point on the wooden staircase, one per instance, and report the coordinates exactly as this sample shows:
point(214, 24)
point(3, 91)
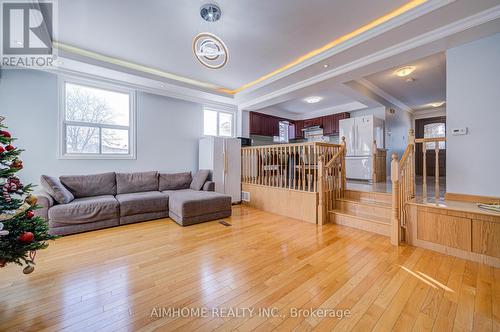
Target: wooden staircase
point(370, 211)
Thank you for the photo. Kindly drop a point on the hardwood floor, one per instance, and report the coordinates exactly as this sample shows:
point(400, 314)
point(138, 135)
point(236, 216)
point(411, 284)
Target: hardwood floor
point(121, 278)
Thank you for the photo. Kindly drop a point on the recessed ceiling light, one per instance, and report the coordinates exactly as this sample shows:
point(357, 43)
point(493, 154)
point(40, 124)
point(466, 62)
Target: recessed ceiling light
point(438, 104)
point(313, 99)
point(404, 71)
point(326, 65)
point(163, 85)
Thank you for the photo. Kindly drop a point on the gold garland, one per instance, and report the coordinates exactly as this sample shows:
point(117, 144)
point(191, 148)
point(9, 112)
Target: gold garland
point(7, 216)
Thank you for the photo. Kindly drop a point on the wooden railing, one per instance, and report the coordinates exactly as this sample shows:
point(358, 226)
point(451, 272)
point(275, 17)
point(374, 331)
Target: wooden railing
point(288, 166)
point(332, 183)
point(404, 182)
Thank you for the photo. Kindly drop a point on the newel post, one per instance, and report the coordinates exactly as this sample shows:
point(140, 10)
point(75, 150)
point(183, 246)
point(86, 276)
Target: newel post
point(411, 141)
point(344, 181)
point(395, 229)
point(374, 162)
point(322, 215)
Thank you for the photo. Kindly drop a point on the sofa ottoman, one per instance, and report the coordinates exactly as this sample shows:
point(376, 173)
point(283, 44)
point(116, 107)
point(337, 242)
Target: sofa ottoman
point(189, 207)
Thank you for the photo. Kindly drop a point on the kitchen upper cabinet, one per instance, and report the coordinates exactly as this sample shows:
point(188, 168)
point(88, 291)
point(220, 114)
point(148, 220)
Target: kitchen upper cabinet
point(299, 125)
point(328, 125)
point(264, 125)
point(313, 122)
point(268, 125)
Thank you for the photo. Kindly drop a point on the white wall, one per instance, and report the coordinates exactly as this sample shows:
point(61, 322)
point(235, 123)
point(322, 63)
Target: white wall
point(473, 101)
point(167, 129)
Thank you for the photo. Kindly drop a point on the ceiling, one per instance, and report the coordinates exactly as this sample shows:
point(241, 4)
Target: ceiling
point(261, 35)
point(429, 85)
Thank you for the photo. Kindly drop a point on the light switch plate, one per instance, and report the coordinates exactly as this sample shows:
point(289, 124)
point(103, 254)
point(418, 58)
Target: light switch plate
point(459, 131)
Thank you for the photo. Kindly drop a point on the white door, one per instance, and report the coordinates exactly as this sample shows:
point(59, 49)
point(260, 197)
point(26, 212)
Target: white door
point(347, 130)
point(364, 135)
point(232, 169)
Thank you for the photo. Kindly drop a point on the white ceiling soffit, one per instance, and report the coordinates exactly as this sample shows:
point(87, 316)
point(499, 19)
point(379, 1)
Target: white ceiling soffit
point(344, 69)
point(391, 99)
point(423, 87)
point(71, 67)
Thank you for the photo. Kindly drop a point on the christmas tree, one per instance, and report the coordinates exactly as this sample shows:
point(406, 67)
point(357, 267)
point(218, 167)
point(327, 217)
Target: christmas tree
point(21, 232)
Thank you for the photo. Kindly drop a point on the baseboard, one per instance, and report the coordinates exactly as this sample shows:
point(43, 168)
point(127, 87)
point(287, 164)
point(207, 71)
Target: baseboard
point(472, 198)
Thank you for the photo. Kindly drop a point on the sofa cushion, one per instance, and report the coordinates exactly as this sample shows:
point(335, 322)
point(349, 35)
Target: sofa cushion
point(90, 185)
point(136, 182)
point(199, 179)
point(87, 209)
point(175, 181)
point(56, 189)
point(190, 203)
point(145, 202)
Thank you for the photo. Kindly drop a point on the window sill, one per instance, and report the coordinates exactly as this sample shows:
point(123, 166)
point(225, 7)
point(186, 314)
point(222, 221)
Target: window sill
point(96, 157)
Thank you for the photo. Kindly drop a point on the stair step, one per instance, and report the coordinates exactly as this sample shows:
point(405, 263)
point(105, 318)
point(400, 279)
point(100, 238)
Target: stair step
point(369, 197)
point(367, 222)
point(371, 208)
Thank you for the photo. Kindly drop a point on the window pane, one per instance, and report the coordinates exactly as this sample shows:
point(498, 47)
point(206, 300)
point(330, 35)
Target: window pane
point(434, 130)
point(225, 124)
point(82, 139)
point(210, 123)
point(115, 141)
point(86, 104)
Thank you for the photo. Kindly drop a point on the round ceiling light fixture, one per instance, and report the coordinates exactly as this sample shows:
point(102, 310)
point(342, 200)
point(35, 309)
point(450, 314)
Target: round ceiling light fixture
point(404, 71)
point(210, 12)
point(313, 99)
point(210, 50)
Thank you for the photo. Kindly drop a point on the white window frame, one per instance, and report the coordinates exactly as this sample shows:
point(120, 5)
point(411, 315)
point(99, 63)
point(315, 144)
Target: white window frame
point(62, 154)
point(233, 121)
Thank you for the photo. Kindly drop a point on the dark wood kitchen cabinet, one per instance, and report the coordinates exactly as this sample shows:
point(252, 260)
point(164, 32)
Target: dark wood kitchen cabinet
point(331, 123)
point(264, 125)
point(299, 125)
point(268, 125)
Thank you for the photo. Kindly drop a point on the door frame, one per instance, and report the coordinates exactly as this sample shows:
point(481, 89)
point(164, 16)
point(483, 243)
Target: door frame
point(419, 133)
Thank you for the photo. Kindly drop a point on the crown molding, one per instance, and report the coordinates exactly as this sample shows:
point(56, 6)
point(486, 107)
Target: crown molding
point(426, 38)
point(84, 70)
point(412, 14)
point(381, 93)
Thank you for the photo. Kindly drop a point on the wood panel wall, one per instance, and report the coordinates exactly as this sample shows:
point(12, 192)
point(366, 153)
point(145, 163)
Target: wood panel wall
point(465, 234)
point(295, 204)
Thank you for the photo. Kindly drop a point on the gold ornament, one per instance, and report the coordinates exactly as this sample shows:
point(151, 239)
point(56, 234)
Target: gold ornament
point(31, 200)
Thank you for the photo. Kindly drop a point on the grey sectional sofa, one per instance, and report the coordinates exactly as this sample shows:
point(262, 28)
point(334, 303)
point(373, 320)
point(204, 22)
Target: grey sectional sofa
point(74, 204)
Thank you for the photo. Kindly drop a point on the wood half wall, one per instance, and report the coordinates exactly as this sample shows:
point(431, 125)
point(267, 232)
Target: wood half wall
point(296, 204)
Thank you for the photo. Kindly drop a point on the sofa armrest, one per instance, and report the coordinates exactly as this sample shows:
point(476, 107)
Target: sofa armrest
point(45, 202)
point(209, 186)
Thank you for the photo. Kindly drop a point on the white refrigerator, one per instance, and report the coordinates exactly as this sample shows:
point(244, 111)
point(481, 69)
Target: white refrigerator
point(359, 133)
point(222, 156)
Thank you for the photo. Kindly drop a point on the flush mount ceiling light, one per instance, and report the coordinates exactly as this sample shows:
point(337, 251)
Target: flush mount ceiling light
point(404, 71)
point(313, 99)
point(210, 12)
point(210, 50)
point(438, 104)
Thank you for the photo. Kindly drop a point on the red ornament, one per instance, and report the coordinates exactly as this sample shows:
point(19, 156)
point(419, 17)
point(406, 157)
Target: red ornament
point(2, 150)
point(26, 237)
point(9, 147)
point(5, 133)
point(30, 214)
